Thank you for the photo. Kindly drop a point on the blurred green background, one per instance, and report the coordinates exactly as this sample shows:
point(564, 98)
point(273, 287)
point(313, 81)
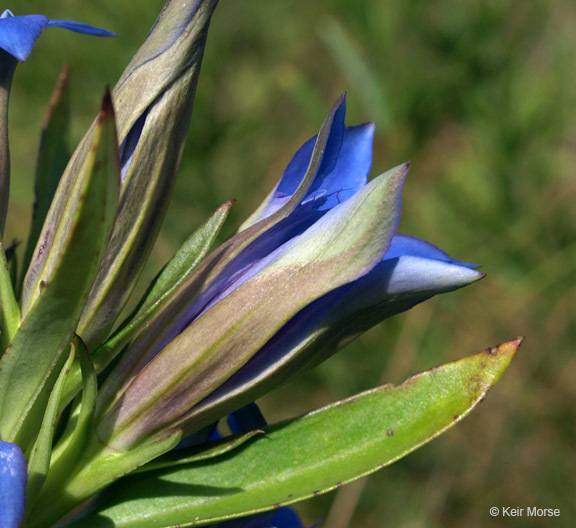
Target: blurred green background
point(480, 96)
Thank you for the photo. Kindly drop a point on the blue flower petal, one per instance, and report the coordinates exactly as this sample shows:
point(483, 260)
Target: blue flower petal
point(343, 172)
point(346, 177)
point(80, 27)
point(13, 479)
point(286, 518)
point(18, 34)
point(404, 245)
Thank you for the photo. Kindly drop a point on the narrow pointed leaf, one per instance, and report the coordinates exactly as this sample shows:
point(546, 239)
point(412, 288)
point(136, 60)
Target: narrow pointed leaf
point(39, 458)
point(7, 67)
point(62, 272)
point(52, 157)
point(337, 249)
point(307, 456)
point(185, 260)
point(9, 309)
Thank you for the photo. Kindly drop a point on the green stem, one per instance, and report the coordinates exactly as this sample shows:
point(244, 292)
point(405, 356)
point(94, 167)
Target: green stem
point(7, 67)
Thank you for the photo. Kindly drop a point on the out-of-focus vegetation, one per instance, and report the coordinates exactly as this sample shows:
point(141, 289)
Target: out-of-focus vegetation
point(480, 96)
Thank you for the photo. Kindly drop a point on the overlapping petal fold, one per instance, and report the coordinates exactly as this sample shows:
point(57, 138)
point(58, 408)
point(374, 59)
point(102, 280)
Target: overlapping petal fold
point(349, 174)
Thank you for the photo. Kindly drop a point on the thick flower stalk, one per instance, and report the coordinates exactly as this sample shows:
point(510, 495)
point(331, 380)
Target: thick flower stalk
point(129, 413)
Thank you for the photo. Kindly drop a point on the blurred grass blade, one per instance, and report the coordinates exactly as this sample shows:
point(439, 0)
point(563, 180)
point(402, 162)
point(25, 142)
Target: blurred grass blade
point(353, 65)
point(307, 456)
point(52, 157)
point(59, 279)
point(9, 308)
point(39, 457)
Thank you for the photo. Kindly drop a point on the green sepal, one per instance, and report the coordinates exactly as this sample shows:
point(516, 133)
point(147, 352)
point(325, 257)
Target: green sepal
point(9, 309)
point(97, 468)
point(167, 282)
point(79, 427)
point(302, 458)
point(41, 452)
point(60, 276)
point(184, 261)
point(53, 156)
point(200, 454)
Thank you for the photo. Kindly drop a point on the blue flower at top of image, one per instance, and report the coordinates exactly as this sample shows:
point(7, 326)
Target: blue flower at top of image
point(18, 34)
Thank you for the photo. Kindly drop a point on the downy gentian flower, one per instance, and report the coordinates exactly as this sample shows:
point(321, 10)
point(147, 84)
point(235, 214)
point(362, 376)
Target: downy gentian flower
point(316, 265)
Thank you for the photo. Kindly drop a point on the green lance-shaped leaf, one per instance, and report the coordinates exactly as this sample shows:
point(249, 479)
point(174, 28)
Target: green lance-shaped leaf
point(52, 157)
point(339, 248)
point(39, 457)
point(307, 456)
point(71, 243)
point(97, 468)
